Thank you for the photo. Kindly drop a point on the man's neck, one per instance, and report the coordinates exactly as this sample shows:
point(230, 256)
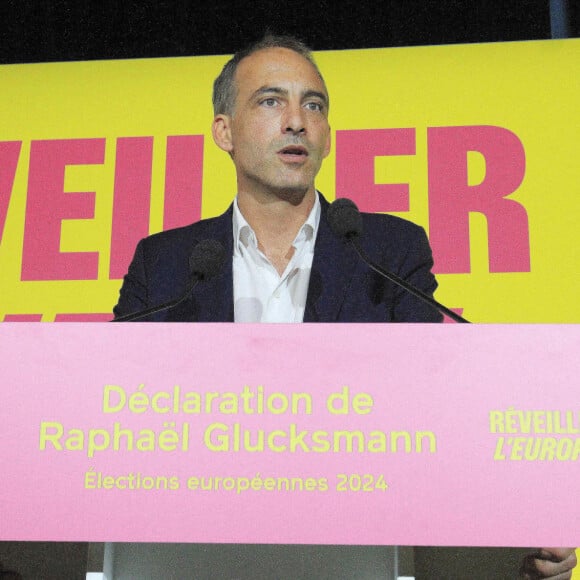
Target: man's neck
point(276, 223)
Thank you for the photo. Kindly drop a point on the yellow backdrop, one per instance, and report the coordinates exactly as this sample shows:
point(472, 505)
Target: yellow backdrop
point(123, 130)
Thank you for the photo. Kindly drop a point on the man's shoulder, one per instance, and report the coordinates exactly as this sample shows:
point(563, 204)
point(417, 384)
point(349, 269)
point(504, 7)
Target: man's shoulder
point(381, 223)
point(387, 226)
point(382, 220)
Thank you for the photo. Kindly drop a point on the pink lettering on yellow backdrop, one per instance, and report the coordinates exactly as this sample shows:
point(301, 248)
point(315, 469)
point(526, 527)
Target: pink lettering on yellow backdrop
point(183, 180)
point(9, 154)
point(22, 317)
point(355, 167)
point(451, 198)
point(48, 204)
point(131, 200)
point(84, 317)
point(132, 196)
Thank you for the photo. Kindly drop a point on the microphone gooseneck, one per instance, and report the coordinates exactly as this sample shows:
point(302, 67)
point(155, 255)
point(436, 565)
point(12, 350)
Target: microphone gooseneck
point(345, 221)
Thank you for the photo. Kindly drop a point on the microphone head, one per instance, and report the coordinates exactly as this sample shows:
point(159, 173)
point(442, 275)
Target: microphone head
point(206, 259)
point(345, 219)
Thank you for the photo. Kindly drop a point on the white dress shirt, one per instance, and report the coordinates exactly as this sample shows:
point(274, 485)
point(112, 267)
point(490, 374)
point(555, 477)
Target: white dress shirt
point(260, 293)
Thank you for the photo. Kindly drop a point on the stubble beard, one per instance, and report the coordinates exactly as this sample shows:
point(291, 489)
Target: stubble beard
point(269, 188)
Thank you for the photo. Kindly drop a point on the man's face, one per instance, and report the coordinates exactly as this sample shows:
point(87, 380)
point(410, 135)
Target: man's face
point(278, 133)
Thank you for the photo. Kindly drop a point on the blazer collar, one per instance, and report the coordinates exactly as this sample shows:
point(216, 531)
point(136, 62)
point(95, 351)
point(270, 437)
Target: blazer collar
point(333, 267)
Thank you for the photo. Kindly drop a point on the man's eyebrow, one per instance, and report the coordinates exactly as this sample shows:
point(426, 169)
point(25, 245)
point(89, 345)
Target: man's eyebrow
point(316, 94)
point(267, 90)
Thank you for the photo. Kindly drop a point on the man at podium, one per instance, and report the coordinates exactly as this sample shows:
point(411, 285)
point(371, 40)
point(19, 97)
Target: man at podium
point(282, 261)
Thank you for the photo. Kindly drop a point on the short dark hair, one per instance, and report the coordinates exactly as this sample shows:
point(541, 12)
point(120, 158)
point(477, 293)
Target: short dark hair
point(224, 86)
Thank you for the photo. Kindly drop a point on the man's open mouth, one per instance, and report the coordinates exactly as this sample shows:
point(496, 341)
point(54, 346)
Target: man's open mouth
point(294, 150)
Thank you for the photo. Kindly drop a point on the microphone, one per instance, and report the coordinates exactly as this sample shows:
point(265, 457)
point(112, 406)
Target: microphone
point(346, 223)
point(205, 262)
point(345, 219)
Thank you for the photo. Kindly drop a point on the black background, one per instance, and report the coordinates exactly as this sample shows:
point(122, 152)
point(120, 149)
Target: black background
point(62, 30)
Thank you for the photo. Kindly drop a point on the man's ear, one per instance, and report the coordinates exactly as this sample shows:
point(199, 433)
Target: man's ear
point(222, 133)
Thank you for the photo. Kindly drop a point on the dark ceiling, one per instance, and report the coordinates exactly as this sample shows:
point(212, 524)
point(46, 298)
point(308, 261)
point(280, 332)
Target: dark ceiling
point(60, 30)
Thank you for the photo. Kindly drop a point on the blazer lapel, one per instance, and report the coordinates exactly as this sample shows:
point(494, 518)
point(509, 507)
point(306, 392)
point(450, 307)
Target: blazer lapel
point(214, 299)
point(333, 267)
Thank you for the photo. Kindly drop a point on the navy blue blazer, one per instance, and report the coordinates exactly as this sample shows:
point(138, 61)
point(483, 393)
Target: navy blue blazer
point(342, 288)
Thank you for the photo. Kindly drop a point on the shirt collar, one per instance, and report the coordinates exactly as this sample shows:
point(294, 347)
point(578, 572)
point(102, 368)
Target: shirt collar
point(244, 234)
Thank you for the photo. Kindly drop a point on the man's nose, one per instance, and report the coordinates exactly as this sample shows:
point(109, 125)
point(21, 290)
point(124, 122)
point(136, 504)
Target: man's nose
point(294, 119)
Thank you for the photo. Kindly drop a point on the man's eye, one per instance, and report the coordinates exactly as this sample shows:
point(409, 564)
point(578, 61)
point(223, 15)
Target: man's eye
point(269, 102)
point(314, 106)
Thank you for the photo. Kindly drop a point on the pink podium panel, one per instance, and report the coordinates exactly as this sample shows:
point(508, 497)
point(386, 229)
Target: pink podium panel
point(310, 434)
